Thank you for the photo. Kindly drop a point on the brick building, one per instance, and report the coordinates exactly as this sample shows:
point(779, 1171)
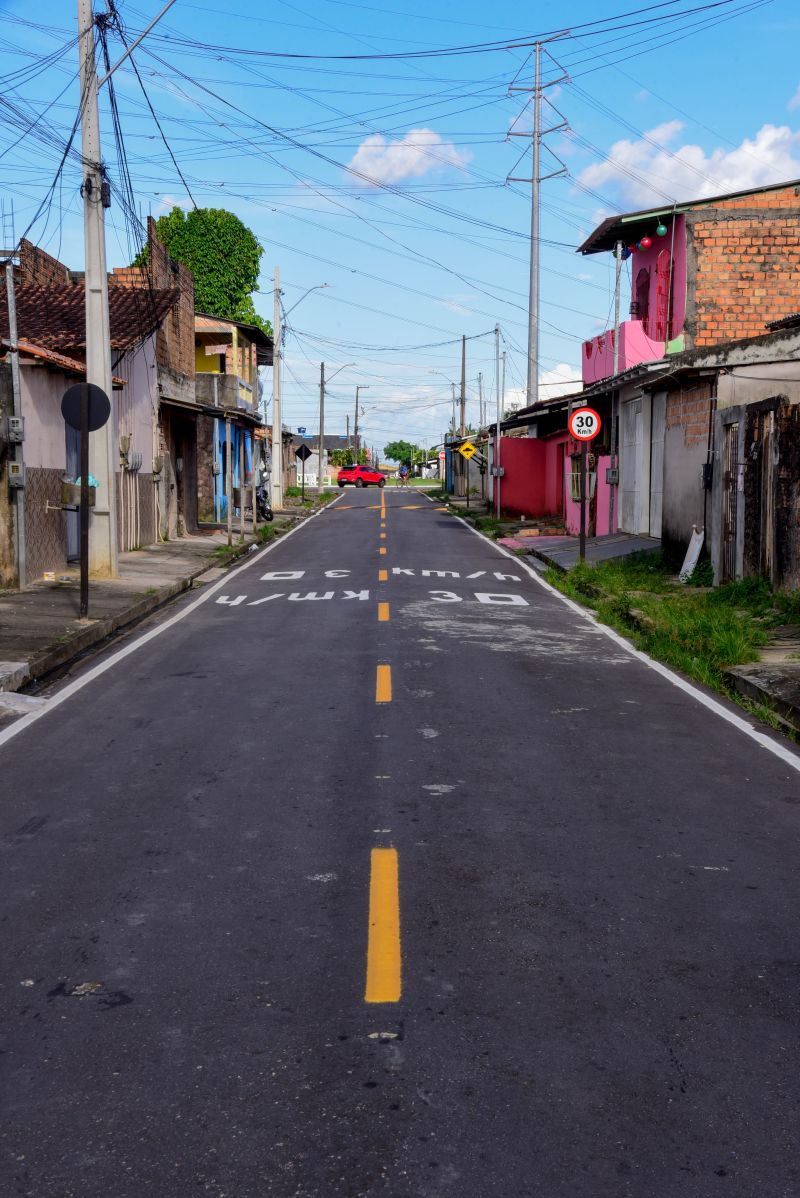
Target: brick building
point(702, 273)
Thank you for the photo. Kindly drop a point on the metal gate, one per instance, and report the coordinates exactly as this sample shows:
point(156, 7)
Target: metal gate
point(730, 482)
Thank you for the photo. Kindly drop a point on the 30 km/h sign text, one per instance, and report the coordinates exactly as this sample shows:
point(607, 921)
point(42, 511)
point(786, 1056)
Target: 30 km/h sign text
point(584, 424)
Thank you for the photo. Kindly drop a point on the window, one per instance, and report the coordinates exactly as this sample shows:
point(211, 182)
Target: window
point(642, 297)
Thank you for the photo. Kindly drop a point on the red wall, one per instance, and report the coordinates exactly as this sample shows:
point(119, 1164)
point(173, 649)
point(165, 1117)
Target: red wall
point(532, 480)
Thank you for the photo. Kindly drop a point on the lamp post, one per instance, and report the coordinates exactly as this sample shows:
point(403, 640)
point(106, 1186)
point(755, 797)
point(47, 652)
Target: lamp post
point(278, 328)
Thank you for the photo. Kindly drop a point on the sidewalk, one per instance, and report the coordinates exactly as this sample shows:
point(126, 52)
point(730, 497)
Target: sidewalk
point(562, 552)
point(40, 629)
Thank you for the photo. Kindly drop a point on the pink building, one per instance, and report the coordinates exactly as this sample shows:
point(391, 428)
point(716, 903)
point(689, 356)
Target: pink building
point(658, 300)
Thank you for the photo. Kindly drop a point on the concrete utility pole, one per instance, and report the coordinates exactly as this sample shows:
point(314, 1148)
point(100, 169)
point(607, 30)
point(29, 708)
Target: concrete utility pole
point(496, 462)
point(96, 198)
point(321, 448)
point(17, 448)
point(481, 413)
point(276, 487)
point(463, 385)
point(615, 394)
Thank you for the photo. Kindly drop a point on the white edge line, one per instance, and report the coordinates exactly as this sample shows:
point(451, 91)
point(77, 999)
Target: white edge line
point(73, 687)
point(766, 742)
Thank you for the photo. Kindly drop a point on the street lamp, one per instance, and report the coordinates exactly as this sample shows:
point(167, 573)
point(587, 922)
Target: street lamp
point(276, 487)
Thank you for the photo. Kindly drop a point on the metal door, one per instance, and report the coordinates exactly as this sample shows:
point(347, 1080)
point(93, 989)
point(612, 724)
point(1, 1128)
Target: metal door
point(630, 465)
point(657, 427)
point(730, 497)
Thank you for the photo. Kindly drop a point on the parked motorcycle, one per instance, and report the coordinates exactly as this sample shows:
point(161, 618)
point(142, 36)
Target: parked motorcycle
point(263, 509)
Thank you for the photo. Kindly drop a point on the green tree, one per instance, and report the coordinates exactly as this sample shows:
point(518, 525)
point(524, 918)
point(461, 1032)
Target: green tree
point(345, 457)
point(400, 451)
point(223, 256)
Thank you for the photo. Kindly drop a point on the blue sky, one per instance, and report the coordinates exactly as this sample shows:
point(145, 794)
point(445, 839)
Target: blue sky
point(385, 177)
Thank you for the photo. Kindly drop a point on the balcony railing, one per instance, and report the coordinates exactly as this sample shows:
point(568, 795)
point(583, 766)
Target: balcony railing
point(223, 391)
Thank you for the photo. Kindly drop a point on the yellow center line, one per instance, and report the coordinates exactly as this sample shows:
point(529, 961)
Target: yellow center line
point(383, 576)
point(383, 684)
point(383, 945)
point(383, 612)
point(382, 551)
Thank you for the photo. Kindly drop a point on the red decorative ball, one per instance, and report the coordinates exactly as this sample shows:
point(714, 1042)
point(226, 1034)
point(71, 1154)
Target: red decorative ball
point(633, 248)
point(646, 242)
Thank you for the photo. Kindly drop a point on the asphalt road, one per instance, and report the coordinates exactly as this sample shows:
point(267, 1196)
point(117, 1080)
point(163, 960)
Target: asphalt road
point(584, 984)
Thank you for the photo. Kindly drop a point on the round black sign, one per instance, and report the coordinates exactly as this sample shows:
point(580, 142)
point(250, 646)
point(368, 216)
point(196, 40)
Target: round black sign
point(99, 406)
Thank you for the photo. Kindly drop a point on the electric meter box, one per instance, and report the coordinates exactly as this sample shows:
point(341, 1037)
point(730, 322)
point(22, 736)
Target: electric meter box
point(16, 475)
point(16, 429)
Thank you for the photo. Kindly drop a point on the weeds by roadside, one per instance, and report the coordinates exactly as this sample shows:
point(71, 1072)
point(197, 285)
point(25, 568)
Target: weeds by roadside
point(696, 630)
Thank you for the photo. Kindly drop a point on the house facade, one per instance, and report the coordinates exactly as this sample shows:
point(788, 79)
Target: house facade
point(231, 438)
point(51, 355)
point(700, 418)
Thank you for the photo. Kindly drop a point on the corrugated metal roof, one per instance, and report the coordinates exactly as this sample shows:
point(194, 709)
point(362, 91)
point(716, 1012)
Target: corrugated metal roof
point(624, 226)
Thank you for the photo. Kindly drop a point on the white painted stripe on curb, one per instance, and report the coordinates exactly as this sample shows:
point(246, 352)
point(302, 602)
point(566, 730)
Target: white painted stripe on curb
point(73, 687)
point(766, 742)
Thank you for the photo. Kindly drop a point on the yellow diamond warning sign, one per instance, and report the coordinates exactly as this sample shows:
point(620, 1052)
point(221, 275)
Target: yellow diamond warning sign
point(467, 449)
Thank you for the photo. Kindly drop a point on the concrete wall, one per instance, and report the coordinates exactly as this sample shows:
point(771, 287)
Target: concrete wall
point(685, 502)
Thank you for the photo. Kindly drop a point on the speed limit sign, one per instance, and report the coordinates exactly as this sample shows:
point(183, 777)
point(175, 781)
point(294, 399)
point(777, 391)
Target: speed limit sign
point(584, 424)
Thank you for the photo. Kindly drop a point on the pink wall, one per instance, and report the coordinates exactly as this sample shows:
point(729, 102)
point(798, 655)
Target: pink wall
point(634, 347)
point(634, 344)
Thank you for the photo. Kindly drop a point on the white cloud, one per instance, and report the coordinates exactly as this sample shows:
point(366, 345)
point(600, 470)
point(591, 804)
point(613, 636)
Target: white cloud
point(167, 203)
point(688, 172)
point(552, 383)
point(559, 381)
point(795, 100)
point(420, 152)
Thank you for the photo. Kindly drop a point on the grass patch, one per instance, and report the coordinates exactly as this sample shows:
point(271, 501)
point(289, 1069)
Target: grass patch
point(699, 633)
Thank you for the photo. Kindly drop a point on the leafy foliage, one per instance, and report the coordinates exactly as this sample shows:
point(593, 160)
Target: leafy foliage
point(400, 451)
point(346, 457)
point(223, 256)
point(405, 451)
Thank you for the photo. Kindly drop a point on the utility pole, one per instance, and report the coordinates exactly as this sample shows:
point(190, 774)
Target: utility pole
point(359, 387)
point(17, 448)
point(536, 182)
point(321, 449)
point(481, 413)
point(347, 418)
point(533, 302)
point(463, 385)
point(96, 198)
point(615, 394)
point(277, 417)
point(496, 462)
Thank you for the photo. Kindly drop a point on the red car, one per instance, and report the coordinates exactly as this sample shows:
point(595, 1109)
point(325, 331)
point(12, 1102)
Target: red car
point(360, 476)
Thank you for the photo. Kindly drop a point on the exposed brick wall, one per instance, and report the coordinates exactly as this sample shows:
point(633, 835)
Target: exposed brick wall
point(205, 473)
point(175, 338)
point(35, 266)
point(745, 257)
point(689, 409)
